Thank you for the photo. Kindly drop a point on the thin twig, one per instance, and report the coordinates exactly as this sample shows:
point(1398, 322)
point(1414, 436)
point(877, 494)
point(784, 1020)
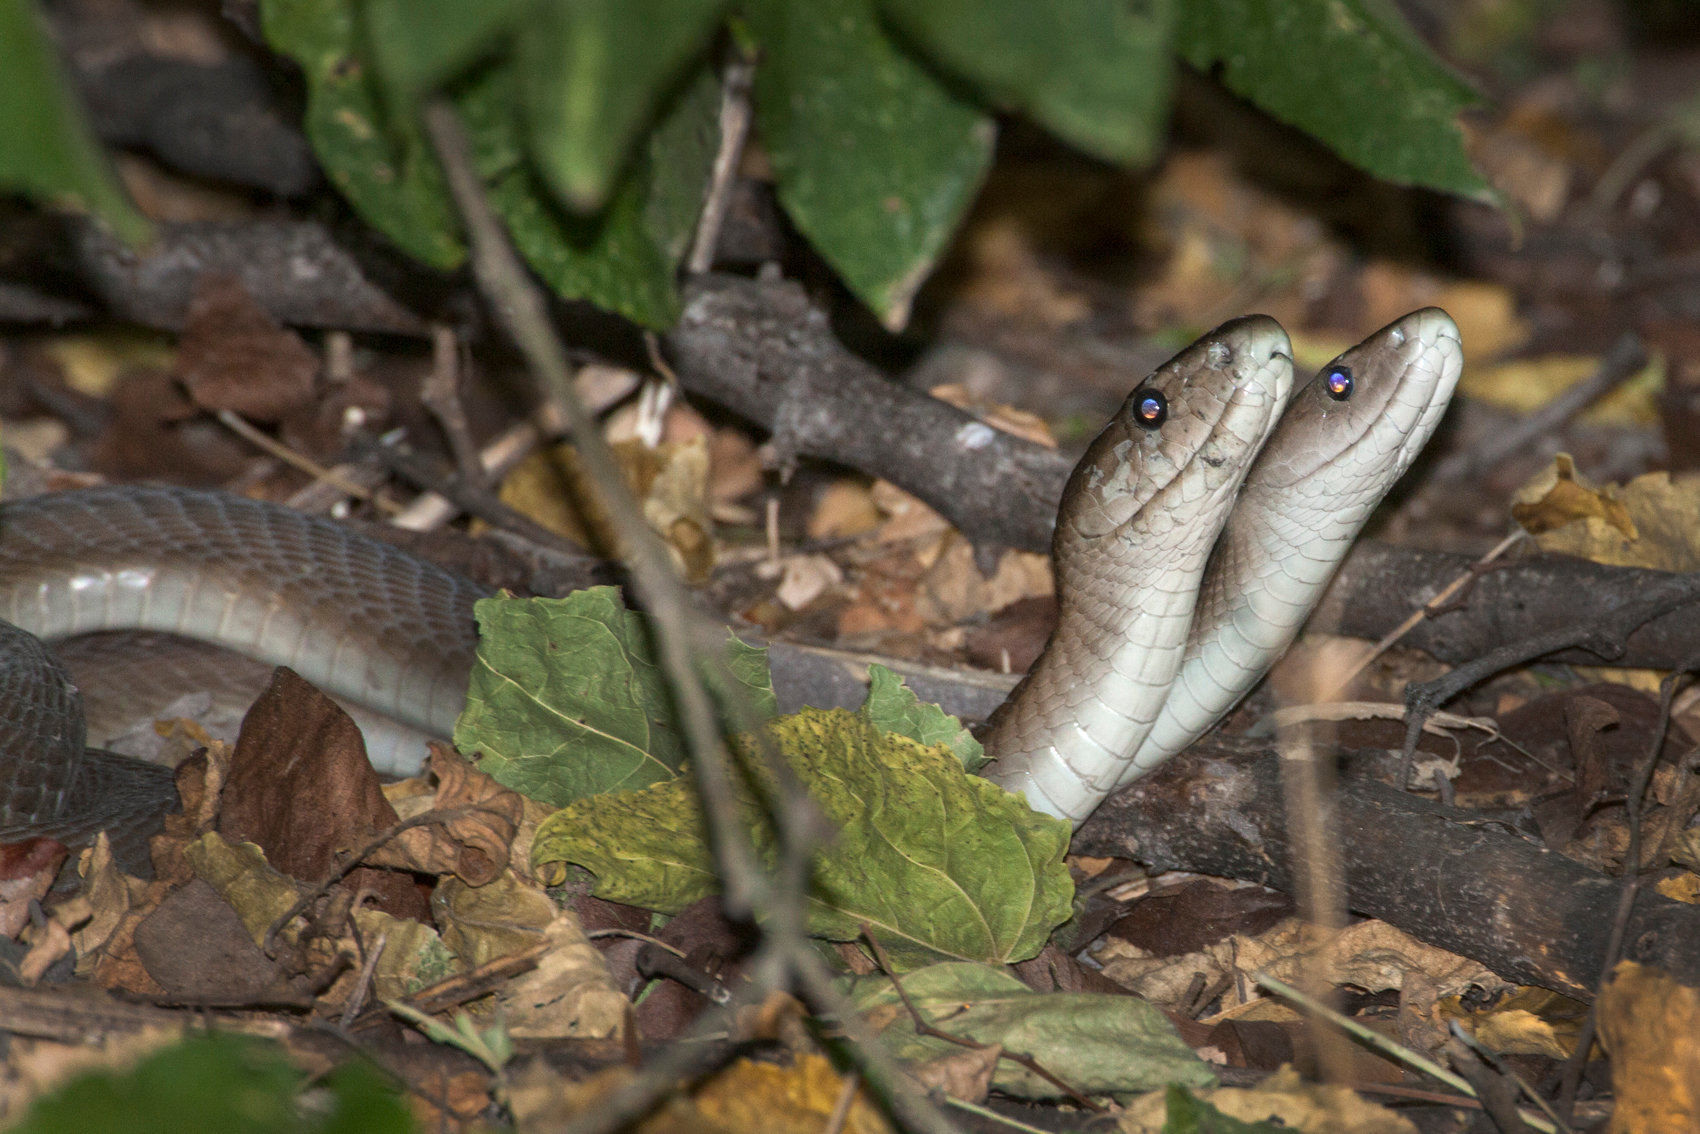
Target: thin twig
point(239, 426)
point(734, 130)
point(472, 499)
point(520, 307)
point(441, 394)
point(751, 886)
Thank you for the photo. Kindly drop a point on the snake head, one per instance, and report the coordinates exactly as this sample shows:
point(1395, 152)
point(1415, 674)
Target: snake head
point(1367, 414)
point(1186, 435)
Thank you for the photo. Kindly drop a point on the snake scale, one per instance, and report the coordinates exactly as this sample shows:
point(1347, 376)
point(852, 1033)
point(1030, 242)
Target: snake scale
point(1193, 538)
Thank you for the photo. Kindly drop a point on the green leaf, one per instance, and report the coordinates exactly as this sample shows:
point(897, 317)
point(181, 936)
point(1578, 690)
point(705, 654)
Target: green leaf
point(384, 167)
point(875, 159)
point(594, 72)
point(1097, 1043)
point(623, 259)
point(214, 1083)
point(1096, 73)
point(893, 707)
point(566, 699)
point(1349, 72)
point(941, 864)
point(418, 45)
point(46, 150)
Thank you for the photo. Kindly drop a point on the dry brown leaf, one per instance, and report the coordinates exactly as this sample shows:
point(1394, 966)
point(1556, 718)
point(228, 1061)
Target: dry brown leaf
point(475, 844)
point(1650, 1028)
point(234, 356)
point(496, 918)
point(844, 508)
point(669, 481)
point(908, 518)
point(109, 898)
point(1558, 496)
point(300, 788)
point(569, 994)
point(27, 870)
point(50, 940)
point(1310, 1107)
point(1372, 955)
point(804, 578)
point(1651, 522)
point(1009, 419)
point(1684, 887)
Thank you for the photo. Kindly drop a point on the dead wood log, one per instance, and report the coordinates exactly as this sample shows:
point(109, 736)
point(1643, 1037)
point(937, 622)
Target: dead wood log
point(1456, 880)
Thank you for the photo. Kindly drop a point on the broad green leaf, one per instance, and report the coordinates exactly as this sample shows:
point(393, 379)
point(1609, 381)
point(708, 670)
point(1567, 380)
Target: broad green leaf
point(1096, 73)
point(594, 72)
point(941, 864)
point(384, 167)
point(1349, 72)
point(566, 699)
point(876, 159)
point(417, 45)
point(218, 1082)
point(1097, 1043)
point(893, 707)
point(46, 149)
point(623, 259)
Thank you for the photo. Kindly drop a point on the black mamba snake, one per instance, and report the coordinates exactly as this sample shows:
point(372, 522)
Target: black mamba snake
point(1130, 677)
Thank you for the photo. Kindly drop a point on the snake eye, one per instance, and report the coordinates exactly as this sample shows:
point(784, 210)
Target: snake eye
point(1150, 408)
point(1338, 382)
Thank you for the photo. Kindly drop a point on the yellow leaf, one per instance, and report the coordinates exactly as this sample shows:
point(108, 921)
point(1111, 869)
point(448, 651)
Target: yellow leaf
point(783, 1100)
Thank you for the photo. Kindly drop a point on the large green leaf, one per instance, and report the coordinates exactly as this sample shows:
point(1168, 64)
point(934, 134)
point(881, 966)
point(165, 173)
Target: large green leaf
point(941, 864)
point(1096, 73)
point(624, 258)
point(875, 158)
point(46, 150)
point(1096, 1043)
point(214, 1083)
point(1349, 72)
point(594, 72)
point(417, 45)
point(383, 166)
point(566, 699)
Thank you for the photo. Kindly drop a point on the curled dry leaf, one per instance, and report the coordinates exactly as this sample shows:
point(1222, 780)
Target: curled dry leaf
point(475, 840)
point(570, 994)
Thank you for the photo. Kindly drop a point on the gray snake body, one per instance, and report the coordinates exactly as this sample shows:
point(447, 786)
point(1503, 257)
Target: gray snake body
point(378, 627)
